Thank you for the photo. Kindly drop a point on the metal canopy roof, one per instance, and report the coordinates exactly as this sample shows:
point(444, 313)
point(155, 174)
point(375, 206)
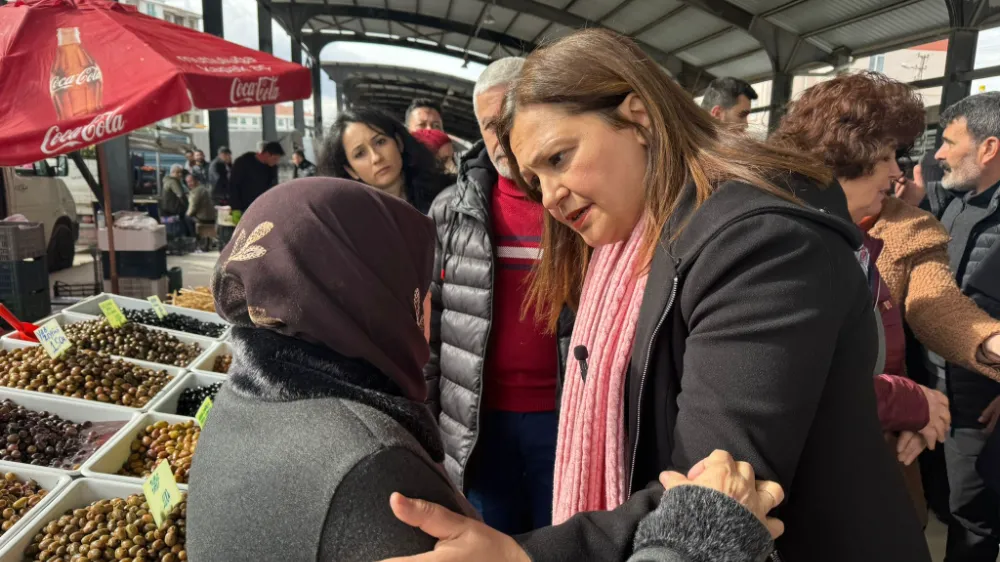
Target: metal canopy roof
point(394, 87)
point(695, 40)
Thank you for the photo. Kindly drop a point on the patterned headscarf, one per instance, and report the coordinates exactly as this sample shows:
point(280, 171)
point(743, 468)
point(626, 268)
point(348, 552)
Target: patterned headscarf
point(334, 263)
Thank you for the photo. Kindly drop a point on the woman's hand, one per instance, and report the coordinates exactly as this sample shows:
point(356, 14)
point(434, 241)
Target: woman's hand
point(735, 479)
point(990, 416)
point(991, 350)
point(459, 538)
point(909, 447)
point(909, 191)
point(940, 417)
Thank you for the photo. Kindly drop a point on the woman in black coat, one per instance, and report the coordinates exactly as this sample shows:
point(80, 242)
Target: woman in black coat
point(723, 307)
point(322, 417)
point(368, 145)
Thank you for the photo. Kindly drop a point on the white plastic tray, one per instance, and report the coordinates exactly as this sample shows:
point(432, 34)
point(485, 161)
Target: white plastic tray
point(77, 411)
point(52, 482)
point(79, 493)
point(207, 360)
point(166, 402)
point(66, 318)
point(92, 307)
point(110, 459)
point(175, 372)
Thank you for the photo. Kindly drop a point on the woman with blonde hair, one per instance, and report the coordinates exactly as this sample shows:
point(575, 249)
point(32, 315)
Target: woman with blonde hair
point(720, 304)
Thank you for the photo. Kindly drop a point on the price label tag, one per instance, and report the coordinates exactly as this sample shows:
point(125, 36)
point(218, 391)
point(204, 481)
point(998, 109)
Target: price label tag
point(53, 339)
point(162, 493)
point(158, 307)
point(203, 411)
point(113, 313)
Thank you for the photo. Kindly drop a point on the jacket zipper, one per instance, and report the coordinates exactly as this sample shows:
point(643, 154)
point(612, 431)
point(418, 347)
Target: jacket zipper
point(642, 381)
point(489, 328)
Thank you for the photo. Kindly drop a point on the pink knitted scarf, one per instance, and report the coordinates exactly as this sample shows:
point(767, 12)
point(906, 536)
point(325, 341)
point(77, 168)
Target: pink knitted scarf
point(589, 472)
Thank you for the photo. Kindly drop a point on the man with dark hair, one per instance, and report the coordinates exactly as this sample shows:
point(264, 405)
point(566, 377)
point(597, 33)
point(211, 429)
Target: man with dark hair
point(303, 167)
point(253, 174)
point(966, 201)
point(198, 167)
point(728, 100)
point(218, 176)
point(424, 113)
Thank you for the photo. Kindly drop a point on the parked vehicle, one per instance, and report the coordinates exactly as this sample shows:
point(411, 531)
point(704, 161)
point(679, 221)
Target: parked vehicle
point(38, 191)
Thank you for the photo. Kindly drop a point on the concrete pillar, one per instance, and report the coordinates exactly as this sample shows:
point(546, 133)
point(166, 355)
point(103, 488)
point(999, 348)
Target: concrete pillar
point(298, 106)
point(781, 94)
point(218, 120)
point(269, 127)
point(317, 98)
point(119, 173)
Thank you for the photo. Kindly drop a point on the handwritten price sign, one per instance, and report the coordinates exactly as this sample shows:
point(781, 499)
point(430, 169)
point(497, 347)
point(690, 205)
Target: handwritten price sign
point(113, 313)
point(162, 493)
point(158, 307)
point(203, 411)
point(53, 339)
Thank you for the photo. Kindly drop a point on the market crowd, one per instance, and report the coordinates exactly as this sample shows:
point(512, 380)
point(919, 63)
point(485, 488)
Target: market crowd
point(619, 328)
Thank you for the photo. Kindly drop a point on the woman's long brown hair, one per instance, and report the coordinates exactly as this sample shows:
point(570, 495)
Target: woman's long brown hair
point(593, 71)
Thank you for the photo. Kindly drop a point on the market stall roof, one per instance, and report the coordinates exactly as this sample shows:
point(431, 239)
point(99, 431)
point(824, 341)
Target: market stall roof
point(394, 87)
point(695, 40)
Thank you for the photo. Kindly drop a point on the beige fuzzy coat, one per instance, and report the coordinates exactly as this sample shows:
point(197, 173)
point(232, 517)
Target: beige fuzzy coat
point(914, 264)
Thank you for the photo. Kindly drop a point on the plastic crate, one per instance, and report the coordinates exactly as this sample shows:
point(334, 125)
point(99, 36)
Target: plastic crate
point(29, 307)
point(139, 288)
point(23, 277)
point(21, 240)
point(69, 290)
point(148, 265)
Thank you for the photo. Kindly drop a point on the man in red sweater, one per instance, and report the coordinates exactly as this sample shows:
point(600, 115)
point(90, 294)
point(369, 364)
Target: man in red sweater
point(494, 371)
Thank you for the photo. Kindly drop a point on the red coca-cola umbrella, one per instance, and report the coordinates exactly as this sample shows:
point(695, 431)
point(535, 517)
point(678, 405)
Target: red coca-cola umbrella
point(78, 72)
point(74, 73)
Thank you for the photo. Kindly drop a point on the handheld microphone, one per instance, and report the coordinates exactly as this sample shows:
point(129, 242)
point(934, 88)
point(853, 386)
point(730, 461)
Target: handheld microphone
point(580, 352)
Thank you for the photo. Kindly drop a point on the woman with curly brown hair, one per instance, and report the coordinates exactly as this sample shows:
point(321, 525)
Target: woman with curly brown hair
point(857, 124)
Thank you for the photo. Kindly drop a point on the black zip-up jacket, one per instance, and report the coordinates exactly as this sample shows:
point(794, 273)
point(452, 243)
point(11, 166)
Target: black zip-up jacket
point(974, 256)
point(461, 308)
point(757, 336)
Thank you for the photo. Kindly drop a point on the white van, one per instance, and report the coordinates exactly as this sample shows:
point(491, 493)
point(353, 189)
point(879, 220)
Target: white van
point(38, 192)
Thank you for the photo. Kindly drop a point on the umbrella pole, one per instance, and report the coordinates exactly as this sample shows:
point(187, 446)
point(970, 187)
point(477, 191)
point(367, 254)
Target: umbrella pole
point(102, 165)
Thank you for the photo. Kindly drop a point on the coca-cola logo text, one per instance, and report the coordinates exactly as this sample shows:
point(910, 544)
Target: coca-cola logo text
point(88, 75)
point(104, 126)
point(260, 91)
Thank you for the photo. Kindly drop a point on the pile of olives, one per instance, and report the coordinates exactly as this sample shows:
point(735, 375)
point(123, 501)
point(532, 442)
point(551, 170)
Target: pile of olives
point(117, 529)
point(81, 373)
point(43, 439)
point(192, 398)
point(132, 340)
point(175, 443)
point(16, 498)
point(173, 321)
point(222, 364)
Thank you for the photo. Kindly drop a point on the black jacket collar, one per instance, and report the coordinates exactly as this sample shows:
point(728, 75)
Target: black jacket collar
point(476, 179)
point(271, 367)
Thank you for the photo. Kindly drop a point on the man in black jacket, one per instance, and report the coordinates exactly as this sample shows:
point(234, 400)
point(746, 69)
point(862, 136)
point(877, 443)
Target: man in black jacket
point(218, 176)
point(966, 201)
point(494, 373)
point(253, 174)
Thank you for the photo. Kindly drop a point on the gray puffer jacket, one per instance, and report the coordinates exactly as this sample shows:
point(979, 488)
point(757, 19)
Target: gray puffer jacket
point(461, 308)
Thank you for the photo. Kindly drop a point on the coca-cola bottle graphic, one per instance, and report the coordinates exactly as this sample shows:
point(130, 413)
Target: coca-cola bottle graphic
point(76, 84)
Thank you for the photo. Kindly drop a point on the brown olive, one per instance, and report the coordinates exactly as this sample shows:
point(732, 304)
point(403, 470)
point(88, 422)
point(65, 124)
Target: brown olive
point(132, 340)
point(175, 443)
point(107, 519)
